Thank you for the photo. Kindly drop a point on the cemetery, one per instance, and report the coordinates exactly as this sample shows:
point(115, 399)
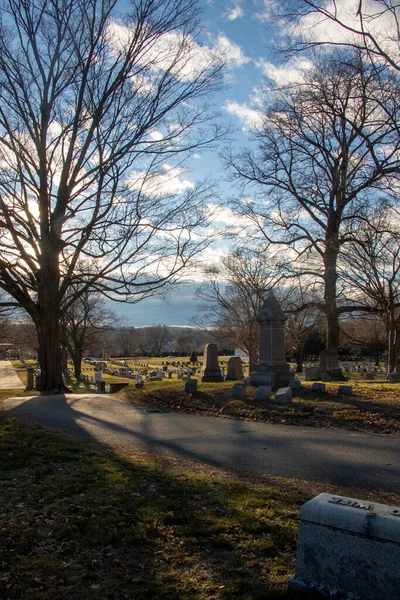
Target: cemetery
point(238, 161)
point(178, 529)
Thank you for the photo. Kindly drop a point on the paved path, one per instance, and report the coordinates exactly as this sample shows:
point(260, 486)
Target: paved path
point(9, 380)
point(342, 458)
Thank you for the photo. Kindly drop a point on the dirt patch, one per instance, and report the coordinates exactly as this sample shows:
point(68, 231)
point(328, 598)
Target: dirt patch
point(372, 410)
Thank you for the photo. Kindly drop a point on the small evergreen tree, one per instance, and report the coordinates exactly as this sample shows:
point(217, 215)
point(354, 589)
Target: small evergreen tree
point(193, 357)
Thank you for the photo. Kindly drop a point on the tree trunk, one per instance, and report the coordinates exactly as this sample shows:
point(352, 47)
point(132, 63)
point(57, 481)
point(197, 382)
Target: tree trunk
point(331, 311)
point(77, 358)
point(50, 354)
point(47, 321)
point(392, 344)
point(299, 360)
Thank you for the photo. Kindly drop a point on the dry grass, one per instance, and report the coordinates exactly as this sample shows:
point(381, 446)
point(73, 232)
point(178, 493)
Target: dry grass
point(82, 522)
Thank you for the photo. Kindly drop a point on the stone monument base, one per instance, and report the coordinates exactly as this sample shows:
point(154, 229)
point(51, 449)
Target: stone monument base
point(276, 374)
point(333, 375)
point(213, 376)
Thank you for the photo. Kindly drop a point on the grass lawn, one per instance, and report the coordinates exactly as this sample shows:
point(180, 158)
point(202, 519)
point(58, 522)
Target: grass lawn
point(373, 407)
point(79, 521)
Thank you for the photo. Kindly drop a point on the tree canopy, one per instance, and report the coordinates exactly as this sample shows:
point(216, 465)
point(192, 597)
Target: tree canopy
point(98, 110)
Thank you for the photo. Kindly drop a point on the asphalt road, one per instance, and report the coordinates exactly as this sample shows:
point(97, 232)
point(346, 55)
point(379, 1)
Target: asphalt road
point(369, 461)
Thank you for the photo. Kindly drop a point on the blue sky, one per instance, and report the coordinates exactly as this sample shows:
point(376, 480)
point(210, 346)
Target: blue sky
point(236, 27)
point(244, 30)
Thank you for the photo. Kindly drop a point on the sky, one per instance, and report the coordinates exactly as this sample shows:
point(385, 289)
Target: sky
point(245, 31)
point(238, 29)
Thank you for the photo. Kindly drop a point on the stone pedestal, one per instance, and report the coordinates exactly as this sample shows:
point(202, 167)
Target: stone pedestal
point(348, 548)
point(271, 369)
point(329, 366)
point(212, 372)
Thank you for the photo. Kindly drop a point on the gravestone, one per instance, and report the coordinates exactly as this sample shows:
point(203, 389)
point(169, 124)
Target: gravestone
point(318, 387)
point(29, 379)
point(191, 386)
point(235, 368)
point(117, 387)
point(263, 392)
point(212, 372)
point(283, 396)
point(310, 373)
point(271, 369)
point(100, 387)
point(295, 384)
point(393, 377)
point(239, 391)
point(348, 548)
point(329, 365)
point(346, 390)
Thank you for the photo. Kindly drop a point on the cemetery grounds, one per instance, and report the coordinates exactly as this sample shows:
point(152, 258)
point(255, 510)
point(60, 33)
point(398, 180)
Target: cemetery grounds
point(81, 521)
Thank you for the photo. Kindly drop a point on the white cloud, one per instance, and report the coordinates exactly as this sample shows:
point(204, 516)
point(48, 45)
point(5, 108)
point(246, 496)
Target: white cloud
point(268, 11)
point(223, 215)
point(181, 54)
point(291, 72)
point(156, 136)
point(196, 155)
point(231, 51)
point(235, 13)
point(168, 181)
point(378, 20)
point(249, 117)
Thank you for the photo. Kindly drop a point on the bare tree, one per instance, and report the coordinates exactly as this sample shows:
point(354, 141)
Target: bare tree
point(365, 333)
point(156, 338)
point(233, 296)
point(370, 270)
point(98, 110)
point(325, 147)
point(372, 26)
point(126, 341)
point(83, 323)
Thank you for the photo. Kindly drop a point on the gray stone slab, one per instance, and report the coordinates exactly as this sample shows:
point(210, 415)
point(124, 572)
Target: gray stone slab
point(348, 548)
point(239, 391)
point(235, 369)
point(191, 386)
point(263, 392)
point(346, 390)
point(283, 396)
point(318, 387)
point(295, 384)
point(310, 373)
